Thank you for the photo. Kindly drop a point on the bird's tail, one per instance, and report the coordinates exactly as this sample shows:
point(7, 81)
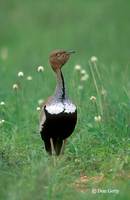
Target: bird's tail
point(57, 146)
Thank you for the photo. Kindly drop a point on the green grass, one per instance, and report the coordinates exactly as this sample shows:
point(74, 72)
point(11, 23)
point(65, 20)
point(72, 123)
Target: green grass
point(97, 154)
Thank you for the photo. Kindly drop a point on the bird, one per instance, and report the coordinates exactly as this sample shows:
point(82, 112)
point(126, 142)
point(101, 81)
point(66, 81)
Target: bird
point(58, 116)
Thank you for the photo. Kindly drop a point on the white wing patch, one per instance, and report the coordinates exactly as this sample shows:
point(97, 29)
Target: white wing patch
point(57, 107)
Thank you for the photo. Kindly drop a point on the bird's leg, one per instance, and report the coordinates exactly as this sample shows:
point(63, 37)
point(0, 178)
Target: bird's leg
point(52, 147)
point(63, 147)
point(53, 151)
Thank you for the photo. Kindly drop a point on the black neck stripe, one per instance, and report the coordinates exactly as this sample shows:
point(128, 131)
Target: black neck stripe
point(63, 86)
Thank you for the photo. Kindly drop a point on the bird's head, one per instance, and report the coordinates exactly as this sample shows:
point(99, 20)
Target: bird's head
point(58, 58)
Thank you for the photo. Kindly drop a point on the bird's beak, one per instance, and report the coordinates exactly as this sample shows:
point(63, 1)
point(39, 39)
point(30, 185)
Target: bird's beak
point(70, 52)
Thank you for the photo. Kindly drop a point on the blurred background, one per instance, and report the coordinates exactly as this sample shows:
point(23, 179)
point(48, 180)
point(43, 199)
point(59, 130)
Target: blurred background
point(29, 31)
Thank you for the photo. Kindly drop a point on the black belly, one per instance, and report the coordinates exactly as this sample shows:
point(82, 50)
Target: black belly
point(58, 126)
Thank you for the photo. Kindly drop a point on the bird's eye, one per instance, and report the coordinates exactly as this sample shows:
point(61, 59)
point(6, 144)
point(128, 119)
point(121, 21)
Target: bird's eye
point(58, 54)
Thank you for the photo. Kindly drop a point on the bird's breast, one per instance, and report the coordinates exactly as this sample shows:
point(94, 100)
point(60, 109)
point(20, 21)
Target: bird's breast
point(59, 107)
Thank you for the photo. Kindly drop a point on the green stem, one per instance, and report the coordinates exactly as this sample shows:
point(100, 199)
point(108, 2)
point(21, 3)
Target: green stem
point(97, 89)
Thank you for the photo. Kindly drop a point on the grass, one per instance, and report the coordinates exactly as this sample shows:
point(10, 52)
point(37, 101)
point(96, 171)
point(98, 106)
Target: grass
point(97, 155)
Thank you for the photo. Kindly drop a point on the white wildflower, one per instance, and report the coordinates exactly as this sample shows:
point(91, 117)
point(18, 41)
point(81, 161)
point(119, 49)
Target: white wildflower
point(2, 103)
point(93, 59)
point(77, 67)
point(38, 108)
point(77, 160)
point(40, 68)
point(97, 118)
point(83, 72)
point(2, 121)
point(15, 86)
point(20, 74)
point(40, 102)
point(29, 78)
point(84, 77)
point(92, 98)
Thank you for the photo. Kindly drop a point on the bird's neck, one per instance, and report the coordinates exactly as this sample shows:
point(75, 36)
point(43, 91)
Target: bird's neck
point(60, 91)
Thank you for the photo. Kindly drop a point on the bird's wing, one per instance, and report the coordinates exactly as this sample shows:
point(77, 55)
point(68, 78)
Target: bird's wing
point(42, 115)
